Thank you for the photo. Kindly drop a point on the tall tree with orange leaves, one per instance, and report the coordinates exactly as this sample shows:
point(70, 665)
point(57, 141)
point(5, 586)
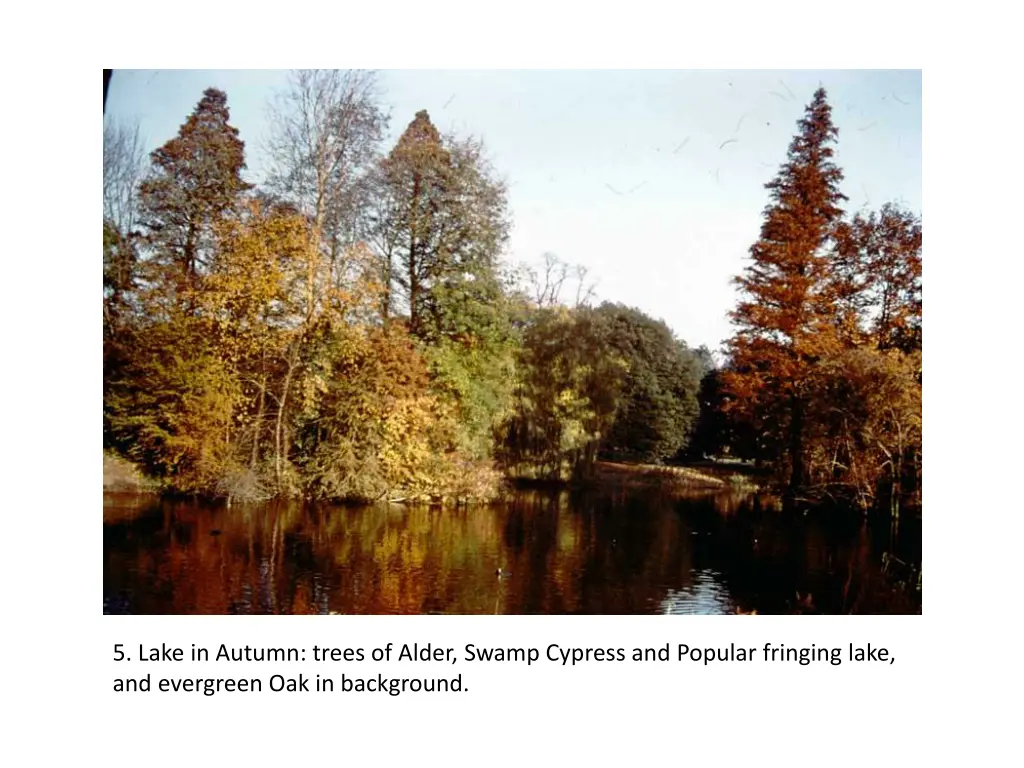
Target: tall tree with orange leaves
point(788, 316)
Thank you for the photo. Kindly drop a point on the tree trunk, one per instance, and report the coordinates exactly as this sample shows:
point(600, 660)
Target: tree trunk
point(258, 425)
point(414, 286)
point(796, 446)
point(386, 298)
point(414, 293)
point(279, 428)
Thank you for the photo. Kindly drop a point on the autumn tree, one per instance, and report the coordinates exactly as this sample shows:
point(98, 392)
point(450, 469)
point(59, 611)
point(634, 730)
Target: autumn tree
point(438, 223)
point(865, 444)
point(195, 178)
point(249, 309)
point(786, 319)
point(879, 276)
point(864, 426)
point(171, 405)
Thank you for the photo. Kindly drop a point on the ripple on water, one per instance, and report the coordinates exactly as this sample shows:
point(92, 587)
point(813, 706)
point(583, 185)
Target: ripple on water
point(707, 595)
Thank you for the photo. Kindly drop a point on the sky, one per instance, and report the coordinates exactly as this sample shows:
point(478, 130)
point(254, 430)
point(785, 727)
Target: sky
point(652, 179)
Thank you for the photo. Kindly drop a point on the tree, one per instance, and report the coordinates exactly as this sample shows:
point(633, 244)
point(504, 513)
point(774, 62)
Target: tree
point(543, 285)
point(568, 387)
point(712, 433)
point(326, 130)
point(250, 310)
point(171, 406)
point(787, 317)
point(123, 164)
point(864, 417)
point(658, 409)
point(194, 180)
point(123, 158)
point(440, 221)
point(879, 276)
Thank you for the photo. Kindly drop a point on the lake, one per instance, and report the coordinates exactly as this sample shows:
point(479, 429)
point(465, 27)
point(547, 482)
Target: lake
point(559, 553)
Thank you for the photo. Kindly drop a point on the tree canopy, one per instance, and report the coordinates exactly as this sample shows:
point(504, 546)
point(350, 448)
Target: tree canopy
point(351, 328)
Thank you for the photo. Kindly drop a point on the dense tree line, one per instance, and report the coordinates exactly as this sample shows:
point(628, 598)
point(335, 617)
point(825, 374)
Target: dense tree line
point(349, 328)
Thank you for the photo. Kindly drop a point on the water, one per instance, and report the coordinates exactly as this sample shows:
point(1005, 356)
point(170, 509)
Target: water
point(611, 554)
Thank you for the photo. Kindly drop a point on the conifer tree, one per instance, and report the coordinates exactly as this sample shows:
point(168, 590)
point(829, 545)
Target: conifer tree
point(788, 315)
point(195, 178)
point(440, 222)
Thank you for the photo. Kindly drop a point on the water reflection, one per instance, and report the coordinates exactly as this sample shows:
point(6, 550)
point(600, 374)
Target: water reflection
point(630, 553)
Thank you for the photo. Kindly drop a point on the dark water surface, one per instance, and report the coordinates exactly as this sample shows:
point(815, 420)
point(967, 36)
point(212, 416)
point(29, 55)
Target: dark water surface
point(612, 554)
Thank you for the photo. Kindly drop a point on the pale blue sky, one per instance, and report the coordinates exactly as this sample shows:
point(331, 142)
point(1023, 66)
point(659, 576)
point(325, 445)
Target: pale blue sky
point(562, 138)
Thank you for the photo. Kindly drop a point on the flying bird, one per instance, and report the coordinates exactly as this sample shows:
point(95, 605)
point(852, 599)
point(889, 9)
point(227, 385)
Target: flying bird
point(681, 145)
point(901, 101)
point(742, 117)
point(776, 93)
point(448, 102)
point(787, 89)
point(864, 128)
point(623, 194)
point(727, 141)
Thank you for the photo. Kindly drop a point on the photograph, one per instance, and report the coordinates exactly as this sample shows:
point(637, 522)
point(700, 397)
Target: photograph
point(567, 341)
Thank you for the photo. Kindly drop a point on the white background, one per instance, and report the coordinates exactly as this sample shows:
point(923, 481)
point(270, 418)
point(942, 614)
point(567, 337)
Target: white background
point(950, 696)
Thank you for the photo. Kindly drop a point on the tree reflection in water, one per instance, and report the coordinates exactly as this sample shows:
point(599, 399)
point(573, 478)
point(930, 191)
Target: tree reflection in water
point(617, 553)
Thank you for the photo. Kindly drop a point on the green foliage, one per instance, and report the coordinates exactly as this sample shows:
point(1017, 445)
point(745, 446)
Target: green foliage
point(471, 352)
point(658, 407)
point(440, 221)
point(609, 381)
point(477, 379)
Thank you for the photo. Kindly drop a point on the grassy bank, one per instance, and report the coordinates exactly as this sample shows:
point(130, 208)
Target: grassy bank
point(122, 476)
point(708, 475)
